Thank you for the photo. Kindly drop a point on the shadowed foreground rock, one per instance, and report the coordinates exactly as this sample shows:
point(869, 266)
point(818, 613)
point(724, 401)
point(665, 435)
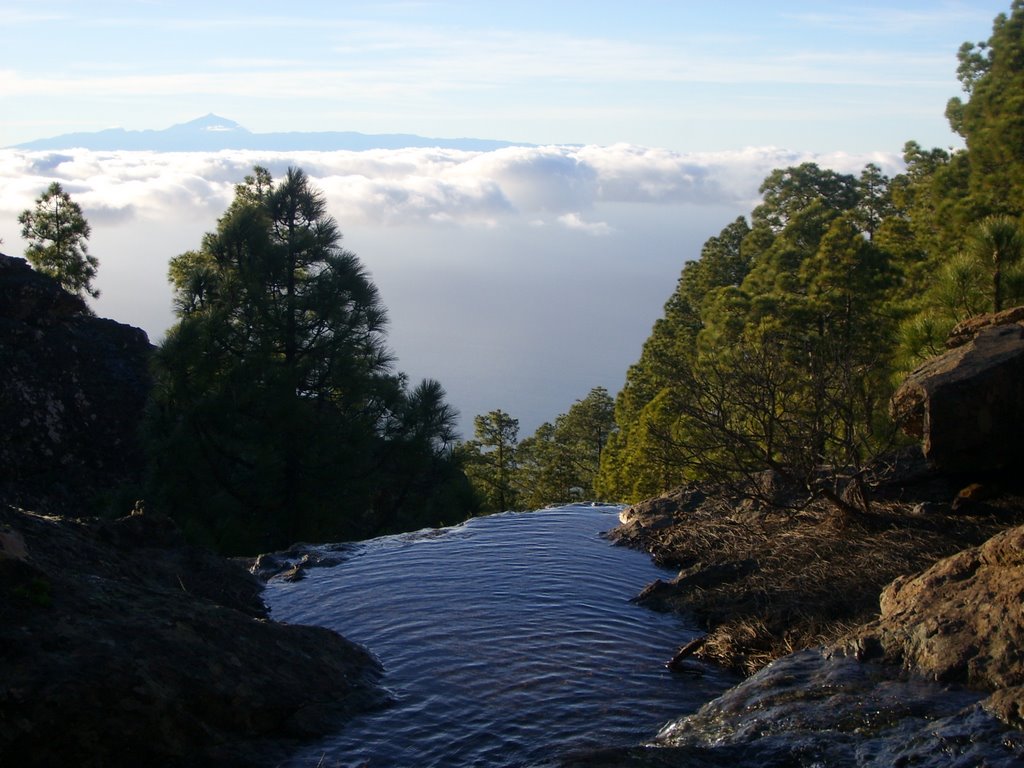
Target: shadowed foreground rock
point(807, 711)
point(121, 646)
point(73, 392)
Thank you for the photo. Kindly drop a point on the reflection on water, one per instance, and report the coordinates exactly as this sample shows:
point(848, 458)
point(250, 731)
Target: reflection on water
point(505, 640)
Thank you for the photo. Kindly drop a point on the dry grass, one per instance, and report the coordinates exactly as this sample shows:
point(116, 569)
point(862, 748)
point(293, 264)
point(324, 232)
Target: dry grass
point(793, 581)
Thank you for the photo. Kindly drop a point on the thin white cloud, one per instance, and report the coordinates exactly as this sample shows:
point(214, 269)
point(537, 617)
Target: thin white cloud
point(413, 79)
point(10, 17)
point(576, 222)
point(377, 62)
point(893, 22)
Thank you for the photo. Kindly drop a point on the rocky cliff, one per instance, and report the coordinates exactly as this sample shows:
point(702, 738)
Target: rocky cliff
point(73, 393)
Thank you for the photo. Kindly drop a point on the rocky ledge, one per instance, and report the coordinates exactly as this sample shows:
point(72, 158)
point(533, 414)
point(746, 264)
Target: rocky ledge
point(120, 645)
point(763, 583)
point(959, 622)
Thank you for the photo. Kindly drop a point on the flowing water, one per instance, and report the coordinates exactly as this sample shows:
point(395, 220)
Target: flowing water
point(505, 641)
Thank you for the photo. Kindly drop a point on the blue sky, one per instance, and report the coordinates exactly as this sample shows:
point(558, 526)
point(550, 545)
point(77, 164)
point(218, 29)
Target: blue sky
point(684, 75)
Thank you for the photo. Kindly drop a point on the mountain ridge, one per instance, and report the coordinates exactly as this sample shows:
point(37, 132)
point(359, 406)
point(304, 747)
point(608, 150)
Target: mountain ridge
point(212, 132)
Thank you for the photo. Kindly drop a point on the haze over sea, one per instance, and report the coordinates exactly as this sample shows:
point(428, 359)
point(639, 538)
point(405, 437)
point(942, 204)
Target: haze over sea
point(519, 277)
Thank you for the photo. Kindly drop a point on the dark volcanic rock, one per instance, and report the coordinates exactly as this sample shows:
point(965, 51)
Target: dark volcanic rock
point(291, 564)
point(120, 646)
point(967, 405)
point(73, 394)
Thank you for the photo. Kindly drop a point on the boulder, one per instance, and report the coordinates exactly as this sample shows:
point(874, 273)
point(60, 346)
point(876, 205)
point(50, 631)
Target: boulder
point(967, 405)
point(960, 621)
point(661, 511)
point(937, 680)
point(73, 393)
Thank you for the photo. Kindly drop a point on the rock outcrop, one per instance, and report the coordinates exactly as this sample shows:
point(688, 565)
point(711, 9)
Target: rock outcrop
point(967, 405)
point(763, 580)
point(937, 680)
point(122, 646)
point(960, 621)
point(810, 710)
point(73, 394)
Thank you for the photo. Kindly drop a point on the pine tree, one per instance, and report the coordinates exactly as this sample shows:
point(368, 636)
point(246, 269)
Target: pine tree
point(57, 231)
point(491, 459)
point(992, 120)
point(277, 415)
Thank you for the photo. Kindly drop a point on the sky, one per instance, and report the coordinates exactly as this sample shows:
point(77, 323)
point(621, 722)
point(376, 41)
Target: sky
point(679, 74)
point(519, 278)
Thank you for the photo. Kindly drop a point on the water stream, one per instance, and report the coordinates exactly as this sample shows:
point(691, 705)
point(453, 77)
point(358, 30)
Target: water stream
point(505, 641)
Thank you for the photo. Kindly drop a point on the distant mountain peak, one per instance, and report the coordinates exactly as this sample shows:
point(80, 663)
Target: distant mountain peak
point(210, 122)
point(212, 132)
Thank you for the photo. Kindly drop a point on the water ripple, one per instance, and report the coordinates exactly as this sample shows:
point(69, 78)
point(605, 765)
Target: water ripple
point(505, 639)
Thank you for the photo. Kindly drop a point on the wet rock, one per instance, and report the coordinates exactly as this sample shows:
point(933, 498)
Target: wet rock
point(679, 661)
point(806, 709)
point(655, 595)
point(660, 511)
point(291, 564)
point(810, 710)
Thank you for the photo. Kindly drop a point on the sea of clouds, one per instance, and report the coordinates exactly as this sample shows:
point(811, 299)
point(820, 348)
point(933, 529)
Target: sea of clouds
point(520, 277)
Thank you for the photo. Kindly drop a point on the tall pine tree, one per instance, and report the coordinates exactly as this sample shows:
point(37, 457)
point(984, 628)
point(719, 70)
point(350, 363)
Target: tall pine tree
point(277, 415)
